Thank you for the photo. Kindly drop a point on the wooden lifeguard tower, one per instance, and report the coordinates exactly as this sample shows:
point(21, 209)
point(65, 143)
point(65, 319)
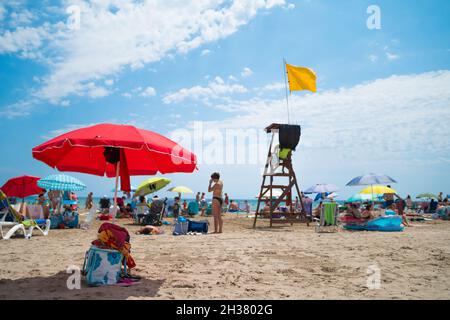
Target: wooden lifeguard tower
point(281, 177)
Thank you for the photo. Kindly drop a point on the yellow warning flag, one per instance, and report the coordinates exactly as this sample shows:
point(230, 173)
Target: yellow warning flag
point(301, 78)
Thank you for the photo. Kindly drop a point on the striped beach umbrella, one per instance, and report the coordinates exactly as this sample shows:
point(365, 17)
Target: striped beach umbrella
point(61, 182)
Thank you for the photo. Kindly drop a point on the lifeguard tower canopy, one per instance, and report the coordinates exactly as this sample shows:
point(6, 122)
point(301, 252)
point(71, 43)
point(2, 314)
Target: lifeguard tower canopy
point(288, 134)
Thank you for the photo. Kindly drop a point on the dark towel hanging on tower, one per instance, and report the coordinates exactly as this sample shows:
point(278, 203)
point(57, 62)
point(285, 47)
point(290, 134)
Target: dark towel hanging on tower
point(289, 136)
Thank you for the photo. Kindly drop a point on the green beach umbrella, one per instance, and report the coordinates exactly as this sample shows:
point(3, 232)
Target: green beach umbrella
point(426, 196)
point(151, 185)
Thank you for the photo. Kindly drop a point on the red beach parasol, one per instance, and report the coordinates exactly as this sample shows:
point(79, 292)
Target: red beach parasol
point(115, 150)
point(22, 187)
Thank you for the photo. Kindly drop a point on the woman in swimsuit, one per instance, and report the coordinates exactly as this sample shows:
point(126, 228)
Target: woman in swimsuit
point(217, 202)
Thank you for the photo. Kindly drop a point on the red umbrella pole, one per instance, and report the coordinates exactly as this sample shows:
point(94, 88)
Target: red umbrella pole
point(115, 192)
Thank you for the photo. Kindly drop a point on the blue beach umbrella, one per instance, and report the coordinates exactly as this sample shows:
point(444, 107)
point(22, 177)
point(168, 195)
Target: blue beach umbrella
point(322, 188)
point(371, 179)
point(61, 182)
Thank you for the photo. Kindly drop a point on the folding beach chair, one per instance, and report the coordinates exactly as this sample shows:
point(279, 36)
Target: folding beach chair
point(328, 218)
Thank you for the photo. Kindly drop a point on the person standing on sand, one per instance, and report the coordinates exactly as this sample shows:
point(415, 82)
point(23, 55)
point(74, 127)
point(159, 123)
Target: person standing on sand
point(203, 204)
point(217, 201)
point(89, 201)
point(227, 200)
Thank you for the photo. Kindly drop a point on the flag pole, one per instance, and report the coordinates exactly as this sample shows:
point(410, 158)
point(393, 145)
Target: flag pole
point(287, 96)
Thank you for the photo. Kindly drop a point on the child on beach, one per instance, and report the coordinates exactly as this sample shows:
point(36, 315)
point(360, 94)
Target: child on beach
point(176, 208)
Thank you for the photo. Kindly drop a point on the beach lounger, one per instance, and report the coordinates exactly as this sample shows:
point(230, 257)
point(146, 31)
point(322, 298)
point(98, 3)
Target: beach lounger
point(328, 218)
point(25, 226)
point(11, 219)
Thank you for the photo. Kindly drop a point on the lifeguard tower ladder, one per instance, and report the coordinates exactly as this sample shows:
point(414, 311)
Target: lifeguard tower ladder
point(279, 166)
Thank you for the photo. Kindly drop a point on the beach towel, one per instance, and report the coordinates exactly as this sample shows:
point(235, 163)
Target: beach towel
point(329, 210)
point(115, 237)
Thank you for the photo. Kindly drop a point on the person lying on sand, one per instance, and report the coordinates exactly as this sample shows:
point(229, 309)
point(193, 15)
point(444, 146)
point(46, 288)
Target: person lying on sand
point(150, 230)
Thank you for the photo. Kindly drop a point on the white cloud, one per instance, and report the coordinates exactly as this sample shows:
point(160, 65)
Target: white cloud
point(392, 56)
point(400, 117)
point(127, 95)
point(291, 6)
point(373, 58)
point(109, 82)
point(25, 17)
point(247, 72)
point(18, 109)
point(24, 41)
point(96, 92)
point(149, 92)
point(275, 86)
point(215, 90)
point(205, 52)
point(232, 78)
point(116, 34)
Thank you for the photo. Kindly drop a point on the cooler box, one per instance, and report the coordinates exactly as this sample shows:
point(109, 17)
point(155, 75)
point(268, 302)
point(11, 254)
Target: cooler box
point(102, 266)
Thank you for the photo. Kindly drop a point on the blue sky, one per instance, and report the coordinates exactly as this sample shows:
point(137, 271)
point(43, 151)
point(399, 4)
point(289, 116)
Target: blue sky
point(383, 100)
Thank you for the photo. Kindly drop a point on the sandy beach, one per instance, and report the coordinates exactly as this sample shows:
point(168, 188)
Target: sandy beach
point(243, 263)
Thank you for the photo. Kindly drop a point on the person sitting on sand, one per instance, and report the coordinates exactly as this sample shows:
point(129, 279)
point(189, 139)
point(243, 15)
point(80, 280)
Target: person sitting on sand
point(234, 207)
point(104, 204)
point(367, 213)
point(353, 211)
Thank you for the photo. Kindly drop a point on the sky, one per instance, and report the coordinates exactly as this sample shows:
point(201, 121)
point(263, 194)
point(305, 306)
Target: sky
point(210, 68)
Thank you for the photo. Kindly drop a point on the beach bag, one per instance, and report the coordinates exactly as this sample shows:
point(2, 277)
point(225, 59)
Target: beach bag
point(102, 266)
point(55, 221)
point(181, 227)
point(198, 226)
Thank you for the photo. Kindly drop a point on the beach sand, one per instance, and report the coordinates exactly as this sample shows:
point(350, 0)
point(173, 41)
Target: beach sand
point(280, 263)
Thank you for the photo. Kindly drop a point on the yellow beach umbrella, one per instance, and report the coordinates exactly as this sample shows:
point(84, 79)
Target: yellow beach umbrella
point(377, 189)
point(180, 190)
point(151, 185)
